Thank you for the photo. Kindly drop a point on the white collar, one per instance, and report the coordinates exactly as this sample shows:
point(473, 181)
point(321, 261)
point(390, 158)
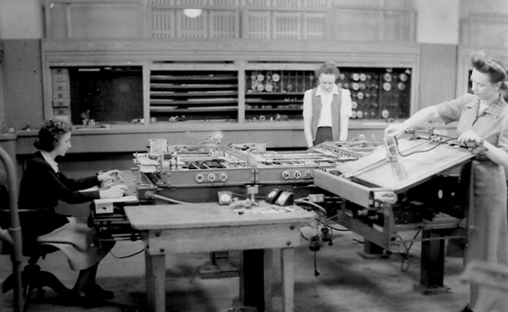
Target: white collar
point(50, 160)
point(335, 90)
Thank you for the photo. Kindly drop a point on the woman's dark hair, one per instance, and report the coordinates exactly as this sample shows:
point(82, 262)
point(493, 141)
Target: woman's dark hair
point(327, 68)
point(50, 134)
point(491, 67)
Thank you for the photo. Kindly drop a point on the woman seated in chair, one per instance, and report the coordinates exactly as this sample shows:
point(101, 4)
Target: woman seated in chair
point(41, 188)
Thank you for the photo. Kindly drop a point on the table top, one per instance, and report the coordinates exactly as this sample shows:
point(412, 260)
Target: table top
point(201, 215)
point(423, 159)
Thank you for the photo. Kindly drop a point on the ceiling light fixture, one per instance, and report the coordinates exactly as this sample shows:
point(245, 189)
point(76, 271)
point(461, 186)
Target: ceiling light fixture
point(192, 13)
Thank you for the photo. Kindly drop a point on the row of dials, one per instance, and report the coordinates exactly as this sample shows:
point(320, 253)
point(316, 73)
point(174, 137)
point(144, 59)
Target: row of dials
point(376, 93)
point(267, 81)
point(281, 82)
point(379, 94)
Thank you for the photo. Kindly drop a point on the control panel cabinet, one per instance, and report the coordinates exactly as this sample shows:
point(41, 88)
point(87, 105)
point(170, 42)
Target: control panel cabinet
point(226, 92)
point(276, 95)
point(376, 93)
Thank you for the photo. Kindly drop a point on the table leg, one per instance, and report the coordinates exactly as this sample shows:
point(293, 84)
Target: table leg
point(269, 275)
point(252, 278)
point(155, 266)
point(288, 280)
point(433, 258)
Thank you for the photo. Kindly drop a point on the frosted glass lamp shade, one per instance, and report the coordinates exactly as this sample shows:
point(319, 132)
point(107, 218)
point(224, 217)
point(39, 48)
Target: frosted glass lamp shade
point(192, 13)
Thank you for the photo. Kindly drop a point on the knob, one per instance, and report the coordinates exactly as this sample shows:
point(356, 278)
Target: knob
point(199, 178)
point(211, 177)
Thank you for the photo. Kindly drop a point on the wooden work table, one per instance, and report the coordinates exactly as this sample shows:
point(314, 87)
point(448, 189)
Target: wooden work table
point(209, 227)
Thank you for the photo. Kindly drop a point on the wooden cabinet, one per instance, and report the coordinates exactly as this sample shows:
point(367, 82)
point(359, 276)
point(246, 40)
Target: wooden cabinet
point(182, 92)
point(227, 84)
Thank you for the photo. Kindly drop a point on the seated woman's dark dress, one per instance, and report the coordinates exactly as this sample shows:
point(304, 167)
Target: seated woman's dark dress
point(41, 189)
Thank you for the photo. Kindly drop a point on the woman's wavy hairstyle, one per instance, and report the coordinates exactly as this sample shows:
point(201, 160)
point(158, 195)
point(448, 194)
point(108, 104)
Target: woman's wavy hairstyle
point(50, 134)
point(493, 68)
point(327, 68)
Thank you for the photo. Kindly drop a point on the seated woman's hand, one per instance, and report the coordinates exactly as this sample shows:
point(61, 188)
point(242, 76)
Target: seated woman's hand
point(114, 192)
point(111, 175)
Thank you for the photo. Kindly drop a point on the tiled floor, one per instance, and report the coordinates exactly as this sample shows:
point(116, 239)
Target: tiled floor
point(346, 282)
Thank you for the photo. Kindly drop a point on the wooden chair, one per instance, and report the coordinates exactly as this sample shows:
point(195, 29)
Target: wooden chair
point(32, 277)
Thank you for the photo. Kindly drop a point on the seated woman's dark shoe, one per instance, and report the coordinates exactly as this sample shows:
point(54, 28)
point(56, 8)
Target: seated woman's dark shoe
point(467, 309)
point(101, 294)
point(85, 301)
point(93, 298)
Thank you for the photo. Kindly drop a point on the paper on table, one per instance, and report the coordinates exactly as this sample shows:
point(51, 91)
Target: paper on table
point(158, 146)
point(145, 161)
point(93, 188)
point(147, 164)
point(124, 199)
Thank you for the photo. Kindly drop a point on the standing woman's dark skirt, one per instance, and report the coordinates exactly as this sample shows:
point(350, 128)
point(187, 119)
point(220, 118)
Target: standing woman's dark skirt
point(323, 134)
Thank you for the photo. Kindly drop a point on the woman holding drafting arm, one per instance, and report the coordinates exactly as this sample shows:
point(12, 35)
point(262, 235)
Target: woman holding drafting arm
point(482, 120)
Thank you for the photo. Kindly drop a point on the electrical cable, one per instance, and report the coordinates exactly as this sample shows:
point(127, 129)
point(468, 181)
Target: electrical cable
point(303, 236)
point(316, 272)
point(171, 200)
point(422, 151)
point(329, 239)
point(321, 208)
point(359, 239)
point(331, 227)
point(405, 254)
point(128, 256)
point(425, 132)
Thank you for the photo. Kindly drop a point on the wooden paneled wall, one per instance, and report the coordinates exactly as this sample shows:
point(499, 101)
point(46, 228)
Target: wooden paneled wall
point(229, 19)
point(22, 83)
point(484, 23)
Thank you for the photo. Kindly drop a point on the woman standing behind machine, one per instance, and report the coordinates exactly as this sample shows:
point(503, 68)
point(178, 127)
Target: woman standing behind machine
point(42, 186)
point(483, 120)
point(326, 108)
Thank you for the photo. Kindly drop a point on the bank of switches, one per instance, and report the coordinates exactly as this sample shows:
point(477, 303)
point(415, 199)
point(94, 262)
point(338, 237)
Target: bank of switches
point(199, 172)
point(210, 164)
